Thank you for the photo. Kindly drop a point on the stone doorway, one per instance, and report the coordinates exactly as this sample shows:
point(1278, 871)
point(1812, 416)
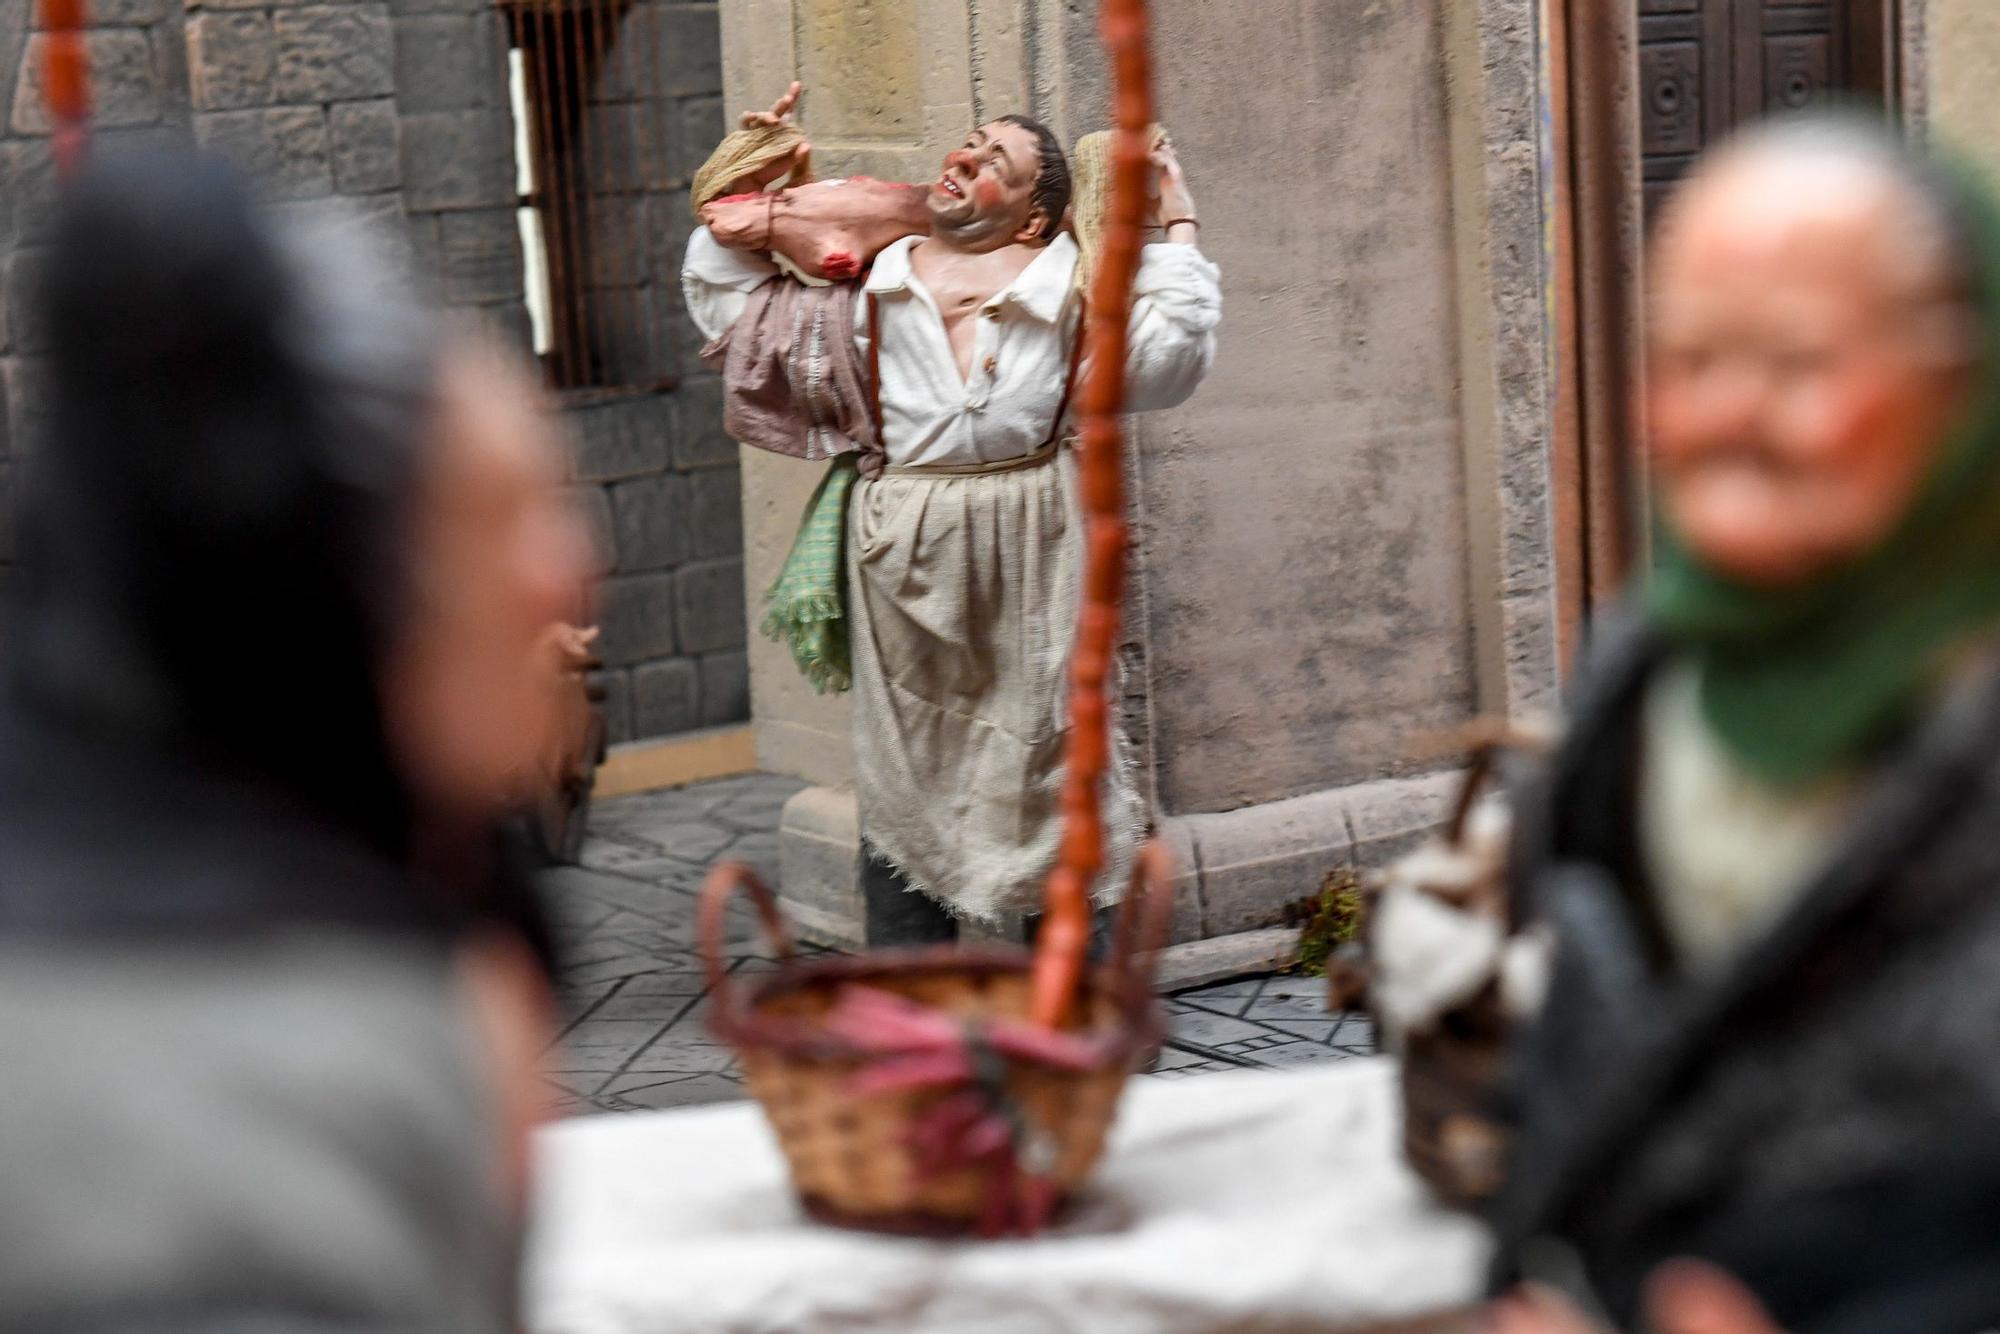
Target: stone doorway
point(1638, 88)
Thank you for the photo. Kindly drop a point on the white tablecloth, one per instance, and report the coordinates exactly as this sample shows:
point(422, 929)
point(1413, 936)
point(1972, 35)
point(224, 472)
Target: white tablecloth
point(1241, 1201)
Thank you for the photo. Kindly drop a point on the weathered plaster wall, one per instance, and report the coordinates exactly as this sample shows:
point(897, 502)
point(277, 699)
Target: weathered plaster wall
point(1962, 69)
point(1306, 559)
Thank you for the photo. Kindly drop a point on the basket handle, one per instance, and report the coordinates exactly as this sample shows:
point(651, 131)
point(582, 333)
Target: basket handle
point(716, 891)
point(1483, 760)
point(1145, 916)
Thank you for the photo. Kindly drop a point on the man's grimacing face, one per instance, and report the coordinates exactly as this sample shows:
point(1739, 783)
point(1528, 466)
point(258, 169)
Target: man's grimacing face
point(988, 183)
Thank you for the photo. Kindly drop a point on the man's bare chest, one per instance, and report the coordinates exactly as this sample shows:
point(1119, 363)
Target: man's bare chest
point(961, 287)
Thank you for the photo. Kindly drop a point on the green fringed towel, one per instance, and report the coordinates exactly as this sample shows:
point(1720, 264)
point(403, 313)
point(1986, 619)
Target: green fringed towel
point(793, 384)
point(806, 607)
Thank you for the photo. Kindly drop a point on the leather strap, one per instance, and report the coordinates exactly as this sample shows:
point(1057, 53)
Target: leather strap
point(875, 373)
point(1075, 361)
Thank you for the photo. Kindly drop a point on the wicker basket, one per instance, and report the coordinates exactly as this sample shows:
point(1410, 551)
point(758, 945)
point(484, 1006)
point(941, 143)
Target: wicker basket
point(1454, 1131)
point(851, 1156)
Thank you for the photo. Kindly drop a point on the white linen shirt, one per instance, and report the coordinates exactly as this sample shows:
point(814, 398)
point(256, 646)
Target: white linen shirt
point(934, 417)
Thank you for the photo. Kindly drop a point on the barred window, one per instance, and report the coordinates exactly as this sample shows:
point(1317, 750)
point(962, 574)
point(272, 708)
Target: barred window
point(597, 191)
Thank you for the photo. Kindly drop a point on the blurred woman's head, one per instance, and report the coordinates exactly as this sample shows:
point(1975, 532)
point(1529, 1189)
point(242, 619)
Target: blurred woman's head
point(497, 556)
point(1813, 332)
point(1825, 435)
point(284, 525)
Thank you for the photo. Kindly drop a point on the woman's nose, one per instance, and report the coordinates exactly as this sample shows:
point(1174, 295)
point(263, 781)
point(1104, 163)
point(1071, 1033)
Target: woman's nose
point(962, 160)
point(1730, 397)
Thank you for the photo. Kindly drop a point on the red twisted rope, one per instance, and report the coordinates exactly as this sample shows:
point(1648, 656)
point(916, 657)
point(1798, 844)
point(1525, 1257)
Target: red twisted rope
point(66, 79)
point(1059, 957)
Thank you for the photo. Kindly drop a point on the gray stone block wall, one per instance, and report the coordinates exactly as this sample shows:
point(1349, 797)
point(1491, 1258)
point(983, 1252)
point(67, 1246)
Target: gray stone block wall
point(399, 110)
point(665, 498)
point(303, 95)
point(674, 614)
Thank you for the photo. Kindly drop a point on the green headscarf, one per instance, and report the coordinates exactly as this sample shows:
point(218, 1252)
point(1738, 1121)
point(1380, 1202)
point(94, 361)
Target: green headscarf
point(1799, 683)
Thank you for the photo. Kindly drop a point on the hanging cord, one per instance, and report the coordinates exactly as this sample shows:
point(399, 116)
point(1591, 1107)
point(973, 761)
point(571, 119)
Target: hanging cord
point(66, 81)
point(1065, 935)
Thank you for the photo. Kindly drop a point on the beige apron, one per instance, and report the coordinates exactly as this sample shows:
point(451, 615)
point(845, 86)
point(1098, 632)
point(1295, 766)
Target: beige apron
point(963, 596)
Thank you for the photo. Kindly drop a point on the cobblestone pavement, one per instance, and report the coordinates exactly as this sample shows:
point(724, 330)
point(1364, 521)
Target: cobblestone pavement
point(637, 1004)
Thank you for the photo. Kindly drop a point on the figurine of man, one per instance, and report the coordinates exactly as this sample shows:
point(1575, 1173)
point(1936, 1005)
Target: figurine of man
point(964, 553)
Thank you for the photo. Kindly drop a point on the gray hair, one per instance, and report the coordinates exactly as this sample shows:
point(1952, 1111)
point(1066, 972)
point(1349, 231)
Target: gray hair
point(1936, 241)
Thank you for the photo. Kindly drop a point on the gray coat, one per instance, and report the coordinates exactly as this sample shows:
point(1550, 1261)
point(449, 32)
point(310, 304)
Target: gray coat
point(1823, 1114)
point(290, 1130)
point(241, 1086)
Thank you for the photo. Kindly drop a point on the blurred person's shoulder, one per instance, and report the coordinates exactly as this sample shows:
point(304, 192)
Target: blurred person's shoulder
point(317, 1088)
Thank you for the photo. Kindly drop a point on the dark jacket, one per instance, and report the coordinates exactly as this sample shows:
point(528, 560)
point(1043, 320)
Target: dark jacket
point(1822, 1115)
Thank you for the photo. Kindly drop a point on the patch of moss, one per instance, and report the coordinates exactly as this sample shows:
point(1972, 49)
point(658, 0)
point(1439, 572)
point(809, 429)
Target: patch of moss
point(1326, 920)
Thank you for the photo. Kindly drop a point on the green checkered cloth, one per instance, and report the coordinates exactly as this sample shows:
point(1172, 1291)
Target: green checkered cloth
point(806, 608)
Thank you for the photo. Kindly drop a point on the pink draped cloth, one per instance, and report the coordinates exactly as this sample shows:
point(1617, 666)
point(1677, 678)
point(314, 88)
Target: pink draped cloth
point(791, 381)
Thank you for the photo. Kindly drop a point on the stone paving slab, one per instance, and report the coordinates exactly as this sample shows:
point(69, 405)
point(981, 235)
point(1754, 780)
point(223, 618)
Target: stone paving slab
point(636, 1001)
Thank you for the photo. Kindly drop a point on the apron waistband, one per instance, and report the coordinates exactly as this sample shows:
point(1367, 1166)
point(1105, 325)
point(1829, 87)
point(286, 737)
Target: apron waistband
point(1041, 456)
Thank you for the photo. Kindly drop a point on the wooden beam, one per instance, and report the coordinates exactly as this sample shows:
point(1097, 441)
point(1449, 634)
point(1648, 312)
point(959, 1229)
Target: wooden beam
point(646, 766)
point(1609, 227)
point(1572, 563)
point(1874, 29)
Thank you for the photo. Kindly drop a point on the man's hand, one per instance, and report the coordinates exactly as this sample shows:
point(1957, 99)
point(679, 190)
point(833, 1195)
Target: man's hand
point(1689, 1297)
point(1682, 1297)
point(799, 163)
point(1172, 200)
point(780, 112)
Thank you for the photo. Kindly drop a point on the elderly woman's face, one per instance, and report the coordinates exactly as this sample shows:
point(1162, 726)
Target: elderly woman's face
point(499, 556)
point(1803, 371)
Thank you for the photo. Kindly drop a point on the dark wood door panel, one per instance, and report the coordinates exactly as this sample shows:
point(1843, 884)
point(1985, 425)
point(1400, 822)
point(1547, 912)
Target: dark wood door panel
point(1686, 98)
point(1798, 51)
point(1798, 71)
point(1708, 66)
point(1702, 68)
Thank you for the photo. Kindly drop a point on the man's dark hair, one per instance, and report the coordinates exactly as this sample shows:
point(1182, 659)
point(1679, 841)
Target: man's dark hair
point(1052, 183)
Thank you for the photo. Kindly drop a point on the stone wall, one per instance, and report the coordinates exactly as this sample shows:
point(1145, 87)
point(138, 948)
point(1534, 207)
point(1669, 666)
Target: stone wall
point(453, 155)
point(303, 95)
point(669, 481)
point(653, 470)
point(1500, 172)
point(399, 110)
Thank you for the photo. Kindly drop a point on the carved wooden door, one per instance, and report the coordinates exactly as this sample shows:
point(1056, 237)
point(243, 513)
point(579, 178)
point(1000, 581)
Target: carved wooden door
point(1707, 66)
point(1703, 67)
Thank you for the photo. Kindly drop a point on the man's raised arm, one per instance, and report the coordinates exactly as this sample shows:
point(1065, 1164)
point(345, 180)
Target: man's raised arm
point(717, 279)
point(1176, 300)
